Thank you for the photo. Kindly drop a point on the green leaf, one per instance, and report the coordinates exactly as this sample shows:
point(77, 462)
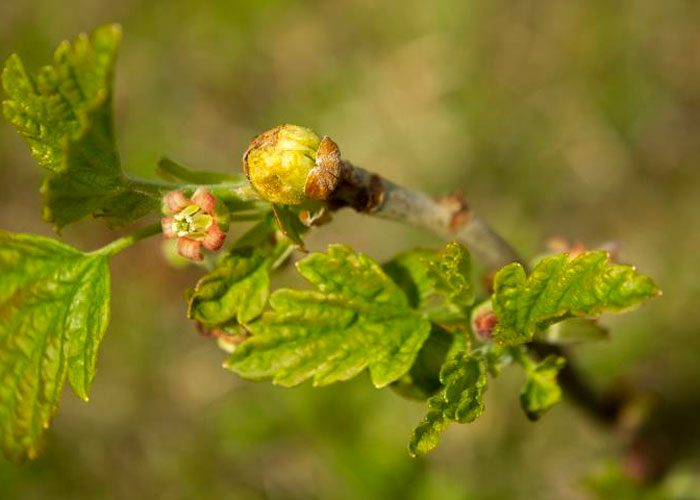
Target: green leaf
point(54, 309)
point(237, 290)
point(437, 283)
point(357, 318)
point(65, 115)
point(451, 275)
point(541, 391)
point(561, 287)
point(461, 399)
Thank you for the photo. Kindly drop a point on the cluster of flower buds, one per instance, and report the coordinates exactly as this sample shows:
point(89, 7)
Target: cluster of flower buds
point(198, 221)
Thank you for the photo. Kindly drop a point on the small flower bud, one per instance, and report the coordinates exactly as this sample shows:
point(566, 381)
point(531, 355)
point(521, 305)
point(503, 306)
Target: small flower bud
point(289, 164)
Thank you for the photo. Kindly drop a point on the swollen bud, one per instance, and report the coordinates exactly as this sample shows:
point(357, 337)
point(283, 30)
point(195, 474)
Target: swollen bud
point(289, 164)
point(483, 321)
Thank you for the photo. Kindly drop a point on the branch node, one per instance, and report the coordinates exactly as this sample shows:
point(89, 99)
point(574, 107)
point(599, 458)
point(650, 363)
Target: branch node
point(361, 190)
point(458, 207)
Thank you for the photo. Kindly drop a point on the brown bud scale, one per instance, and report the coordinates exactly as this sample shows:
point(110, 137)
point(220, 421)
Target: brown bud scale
point(324, 178)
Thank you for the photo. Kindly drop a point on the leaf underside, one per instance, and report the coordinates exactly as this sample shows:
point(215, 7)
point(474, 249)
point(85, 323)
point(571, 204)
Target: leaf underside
point(65, 115)
point(54, 309)
point(356, 318)
point(561, 287)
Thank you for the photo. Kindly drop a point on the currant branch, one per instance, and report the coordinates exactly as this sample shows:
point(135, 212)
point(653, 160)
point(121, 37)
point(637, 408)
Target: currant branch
point(411, 322)
point(340, 184)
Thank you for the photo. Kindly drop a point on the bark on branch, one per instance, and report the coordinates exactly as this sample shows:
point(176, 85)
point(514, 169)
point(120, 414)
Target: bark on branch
point(449, 217)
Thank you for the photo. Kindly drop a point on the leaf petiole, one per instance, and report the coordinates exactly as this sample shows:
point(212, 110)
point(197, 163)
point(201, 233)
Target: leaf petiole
point(125, 242)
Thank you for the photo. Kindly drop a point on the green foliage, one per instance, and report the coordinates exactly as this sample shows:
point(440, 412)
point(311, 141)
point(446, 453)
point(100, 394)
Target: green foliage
point(356, 318)
point(611, 481)
point(541, 391)
point(406, 322)
point(451, 275)
point(437, 283)
point(464, 379)
point(237, 290)
point(561, 287)
point(423, 379)
point(54, 309)
point(65, 115)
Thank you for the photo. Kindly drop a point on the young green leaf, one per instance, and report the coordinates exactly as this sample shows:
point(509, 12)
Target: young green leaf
point(236, 290)
point(437, 283)
point(464, 379)
point(54, 309)
point(451, 275)
point(561, 287)
point(357, 318)
point(541, 391)
point(65, 115)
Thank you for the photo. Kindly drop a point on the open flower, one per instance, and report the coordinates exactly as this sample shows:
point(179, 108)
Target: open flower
point(195, 222)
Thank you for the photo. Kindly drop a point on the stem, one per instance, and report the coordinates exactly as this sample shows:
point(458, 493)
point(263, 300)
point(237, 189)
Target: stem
point(239, 190)
point(449, 217)
point(125, 242)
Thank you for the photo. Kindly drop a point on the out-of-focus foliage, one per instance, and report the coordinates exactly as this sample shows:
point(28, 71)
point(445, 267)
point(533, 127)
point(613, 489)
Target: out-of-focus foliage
point(609, 481)
point(578, 119)
point(541, 391)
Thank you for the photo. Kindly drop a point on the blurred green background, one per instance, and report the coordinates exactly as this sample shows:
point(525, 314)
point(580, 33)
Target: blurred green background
point(578, 119)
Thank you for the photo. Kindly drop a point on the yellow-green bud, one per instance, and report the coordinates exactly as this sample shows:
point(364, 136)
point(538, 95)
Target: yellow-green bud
point(290, 164)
